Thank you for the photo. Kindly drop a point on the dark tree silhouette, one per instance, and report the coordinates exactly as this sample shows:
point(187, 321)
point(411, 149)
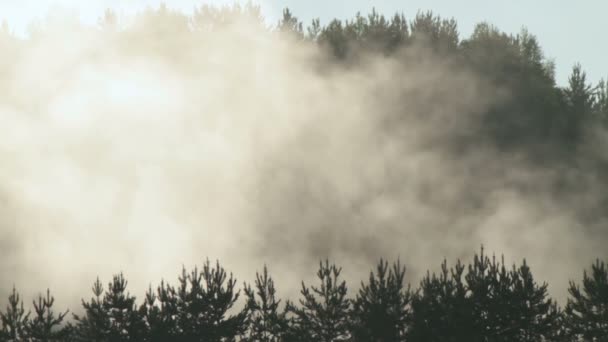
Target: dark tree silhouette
point(125, 322)
point(14, 319)
point(324, 311)
point(159, 312)
point(600, 108)
point(46, 325)
point(587, 308)
point(509, 305)
point(203, 301)
point(535, 317)
point(112, 318)
point(265, 322)
point(442, 308)
point(381, 309)
point(95, 324)
point(579, 98)
point(489, 303)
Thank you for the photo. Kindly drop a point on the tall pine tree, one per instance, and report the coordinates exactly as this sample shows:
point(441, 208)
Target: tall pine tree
point(587, 307)
point(324, 311)
point(381, 309)
point(46, 325)
point(442, 309)
point(14, 319)
point(265, 322)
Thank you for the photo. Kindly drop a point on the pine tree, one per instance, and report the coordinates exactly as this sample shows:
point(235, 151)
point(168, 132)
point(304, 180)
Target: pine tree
point(14, 319)
point(600, 108)
point(95, 324)
point(334, 38)
point(290, 24)
point(202, 302)
point(266, 323)
point(398, 32)
point(381, 309)
point(45, 325)
point(441, 34)
point(125, 322)
point(159, 312)
point(314, 30)
point(534, 317)
point(482, 282)
point(509, 305)
point(579, 101)
point(324, 311)
point(373, 32)
point(587, 308)
point(113, 317)
point(442, 310)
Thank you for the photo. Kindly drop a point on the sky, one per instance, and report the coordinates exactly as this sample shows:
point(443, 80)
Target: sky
point(568, 30)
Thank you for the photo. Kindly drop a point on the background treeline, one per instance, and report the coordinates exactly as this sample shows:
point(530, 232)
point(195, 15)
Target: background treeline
point(538, 114)
point(485, 300)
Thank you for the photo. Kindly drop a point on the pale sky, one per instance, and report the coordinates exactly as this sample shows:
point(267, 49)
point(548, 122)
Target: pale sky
point(569, 31)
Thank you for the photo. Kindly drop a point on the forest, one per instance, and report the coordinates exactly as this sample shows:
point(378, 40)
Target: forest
point(520, 113)
point(484, 300)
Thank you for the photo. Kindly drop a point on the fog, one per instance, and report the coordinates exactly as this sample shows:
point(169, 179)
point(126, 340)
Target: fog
point(141, 150)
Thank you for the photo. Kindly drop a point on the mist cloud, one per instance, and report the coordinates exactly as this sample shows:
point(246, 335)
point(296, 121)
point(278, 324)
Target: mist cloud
point(141, 151)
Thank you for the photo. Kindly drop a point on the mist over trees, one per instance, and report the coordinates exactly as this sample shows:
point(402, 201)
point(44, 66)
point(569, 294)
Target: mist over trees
point(559, 130)
point(538, 114)
point(485, 300)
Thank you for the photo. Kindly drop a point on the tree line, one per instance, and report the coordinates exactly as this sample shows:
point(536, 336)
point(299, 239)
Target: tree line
point(484, 300)
point(539, 113)
point(539, 116)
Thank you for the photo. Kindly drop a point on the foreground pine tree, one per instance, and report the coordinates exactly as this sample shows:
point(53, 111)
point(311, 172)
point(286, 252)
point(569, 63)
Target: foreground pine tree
point(490, 303)
point(265, 322)
point(46, 325)
point(125, 322)
point(15, 319)
point(113, 317)
point(94, 325)
point(159, 313)
point(381, 309)
point(200, 307)
point(536, 317)
point(442, 309)
point(587, 308)
point(509, 305)
point(324, 311)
